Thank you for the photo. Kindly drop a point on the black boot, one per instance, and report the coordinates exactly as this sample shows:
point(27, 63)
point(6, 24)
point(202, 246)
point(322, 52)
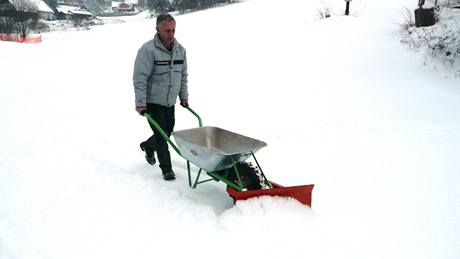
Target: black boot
point(169, 175)
point(149, 155)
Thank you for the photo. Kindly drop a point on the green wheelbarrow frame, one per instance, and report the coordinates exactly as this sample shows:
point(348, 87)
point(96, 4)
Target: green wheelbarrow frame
point(238, 186)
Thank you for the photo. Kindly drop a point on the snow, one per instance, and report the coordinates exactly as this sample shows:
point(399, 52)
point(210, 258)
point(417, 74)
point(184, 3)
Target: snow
point(340, 102)
point(41, 6)
point(72, 9)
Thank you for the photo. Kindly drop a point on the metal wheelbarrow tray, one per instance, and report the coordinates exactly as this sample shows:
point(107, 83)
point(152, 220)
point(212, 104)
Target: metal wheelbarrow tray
point(222, 155)
point(213, 148)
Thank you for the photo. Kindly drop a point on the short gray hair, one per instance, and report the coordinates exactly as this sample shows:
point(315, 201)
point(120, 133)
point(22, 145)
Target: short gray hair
point(164, 17)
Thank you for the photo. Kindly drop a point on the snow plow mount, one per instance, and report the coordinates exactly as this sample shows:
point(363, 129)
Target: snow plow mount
point(222, 155)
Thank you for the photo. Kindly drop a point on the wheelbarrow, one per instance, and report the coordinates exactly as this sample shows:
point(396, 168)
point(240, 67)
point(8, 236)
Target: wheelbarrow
point(222, 155)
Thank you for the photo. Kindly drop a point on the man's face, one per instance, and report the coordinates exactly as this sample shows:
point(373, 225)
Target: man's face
point(166, 30)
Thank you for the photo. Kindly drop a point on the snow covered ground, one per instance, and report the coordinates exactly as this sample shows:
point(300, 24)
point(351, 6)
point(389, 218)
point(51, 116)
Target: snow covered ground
point(340, 102)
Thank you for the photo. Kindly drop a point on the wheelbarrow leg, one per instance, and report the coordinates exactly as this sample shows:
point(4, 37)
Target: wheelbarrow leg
point(189, 175)
point(197, 178)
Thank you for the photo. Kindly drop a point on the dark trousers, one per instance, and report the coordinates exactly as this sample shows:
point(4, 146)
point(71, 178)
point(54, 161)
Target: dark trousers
point(164, 116)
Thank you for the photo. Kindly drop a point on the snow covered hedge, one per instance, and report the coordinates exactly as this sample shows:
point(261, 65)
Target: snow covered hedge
point(442, 40)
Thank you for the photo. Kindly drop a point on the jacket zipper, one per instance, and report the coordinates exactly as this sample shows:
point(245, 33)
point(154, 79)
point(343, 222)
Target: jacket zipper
point(171, 73)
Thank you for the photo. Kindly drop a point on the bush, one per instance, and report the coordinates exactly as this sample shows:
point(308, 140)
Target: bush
point(441, 41)
point(324, 12)
point(42, 26)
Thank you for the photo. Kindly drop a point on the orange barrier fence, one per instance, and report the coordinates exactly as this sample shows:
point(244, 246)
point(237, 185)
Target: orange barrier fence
point(16, 38)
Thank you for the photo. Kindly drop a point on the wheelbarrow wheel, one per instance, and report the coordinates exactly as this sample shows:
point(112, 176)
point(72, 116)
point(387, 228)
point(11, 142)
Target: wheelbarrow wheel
point(249, 175)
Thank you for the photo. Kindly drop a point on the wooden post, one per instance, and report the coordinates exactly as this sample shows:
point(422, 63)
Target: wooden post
point(347, 7)
point(421, 3)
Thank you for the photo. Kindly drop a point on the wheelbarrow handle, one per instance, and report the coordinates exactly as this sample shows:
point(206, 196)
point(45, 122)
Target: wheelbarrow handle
point(163, 133)
point(196, 115)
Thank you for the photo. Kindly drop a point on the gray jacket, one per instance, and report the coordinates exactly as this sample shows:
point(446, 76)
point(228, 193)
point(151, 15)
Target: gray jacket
point(160, 75)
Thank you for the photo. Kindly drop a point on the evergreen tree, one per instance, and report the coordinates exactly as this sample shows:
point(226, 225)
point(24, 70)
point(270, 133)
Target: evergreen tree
point(160, 6)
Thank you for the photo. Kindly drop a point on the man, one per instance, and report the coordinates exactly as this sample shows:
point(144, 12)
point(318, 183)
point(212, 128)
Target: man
point(160, 75)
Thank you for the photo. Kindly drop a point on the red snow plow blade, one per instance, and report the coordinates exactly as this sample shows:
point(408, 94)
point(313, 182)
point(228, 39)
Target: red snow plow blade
point(302, 193)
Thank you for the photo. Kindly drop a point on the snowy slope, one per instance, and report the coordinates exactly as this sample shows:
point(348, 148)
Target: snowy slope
point(339, 101)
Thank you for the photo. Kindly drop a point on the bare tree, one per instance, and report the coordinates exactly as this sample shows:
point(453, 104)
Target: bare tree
point(25, 25)
point(26, 18)
point(24, 6)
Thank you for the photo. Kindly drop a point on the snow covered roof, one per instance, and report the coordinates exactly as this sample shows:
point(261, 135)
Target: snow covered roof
point(72, 9)
point(83, 12)
point(66, 8)
point(41, 6)
point(117, 3)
